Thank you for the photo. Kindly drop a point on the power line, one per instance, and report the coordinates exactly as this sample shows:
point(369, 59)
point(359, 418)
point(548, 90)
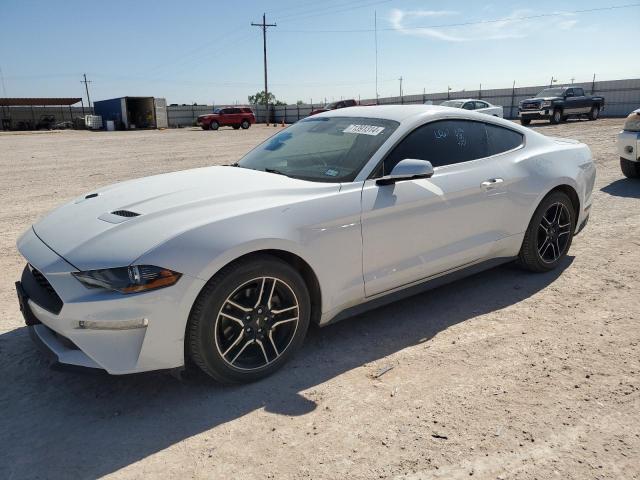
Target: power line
point(479, 22)
point(264, 25)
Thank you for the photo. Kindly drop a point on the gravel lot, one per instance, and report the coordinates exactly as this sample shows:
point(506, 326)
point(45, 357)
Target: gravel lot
point(503, 375)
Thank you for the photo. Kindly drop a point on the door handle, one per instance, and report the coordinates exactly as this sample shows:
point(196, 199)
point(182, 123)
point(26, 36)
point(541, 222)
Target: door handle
point(491, 183)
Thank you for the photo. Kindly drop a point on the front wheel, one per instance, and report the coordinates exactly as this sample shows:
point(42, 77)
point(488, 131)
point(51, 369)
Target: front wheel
point(214, 126)
point(249, 320)
point(594, 113)
point(630, 169)
point(549, 234)
point(556, 116)
point(525, 121)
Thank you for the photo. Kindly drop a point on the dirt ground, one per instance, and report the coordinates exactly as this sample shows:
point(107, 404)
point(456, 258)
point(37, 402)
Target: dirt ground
point(504, 375)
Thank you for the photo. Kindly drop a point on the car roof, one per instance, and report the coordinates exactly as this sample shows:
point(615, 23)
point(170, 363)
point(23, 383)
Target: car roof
point(399, 113)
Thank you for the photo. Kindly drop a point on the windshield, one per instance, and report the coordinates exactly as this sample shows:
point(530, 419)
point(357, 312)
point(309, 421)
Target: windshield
point(217, 110)
point(330, 149)
point(452, 103)
point(331, 106)
point(551, 92)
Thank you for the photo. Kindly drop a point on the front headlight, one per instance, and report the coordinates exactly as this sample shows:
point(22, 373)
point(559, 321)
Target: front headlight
point(546, 103)
point(632, 124)
point(134, 279)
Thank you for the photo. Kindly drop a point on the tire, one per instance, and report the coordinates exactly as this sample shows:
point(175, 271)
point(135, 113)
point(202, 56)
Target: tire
point(214, 125)
point(556, 116)
point(245, 124)
point(594, 113)
point(630, 169)
point(525, 121)
point(217, 329)
point(545, 230)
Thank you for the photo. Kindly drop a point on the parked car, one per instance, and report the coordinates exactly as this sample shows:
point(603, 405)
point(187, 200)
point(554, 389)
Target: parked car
point(335, 106)
point(559, 103)
point(236, 117)
point(480, 106)
point(629, 146)
point(339, 213)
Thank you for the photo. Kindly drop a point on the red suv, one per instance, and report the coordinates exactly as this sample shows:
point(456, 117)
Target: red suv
point(235, 117)
point(335, 105)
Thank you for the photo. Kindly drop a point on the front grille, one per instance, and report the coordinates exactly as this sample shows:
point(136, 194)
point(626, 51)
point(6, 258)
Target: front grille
point(42, 281)
point(38, 289)
point(125, 213)
point(531, 106)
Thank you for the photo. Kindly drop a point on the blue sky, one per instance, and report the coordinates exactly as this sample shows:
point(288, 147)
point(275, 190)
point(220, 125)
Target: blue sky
point(193, 51)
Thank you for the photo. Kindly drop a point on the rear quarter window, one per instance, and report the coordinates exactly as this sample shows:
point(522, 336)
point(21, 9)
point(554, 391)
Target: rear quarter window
point(500, 139)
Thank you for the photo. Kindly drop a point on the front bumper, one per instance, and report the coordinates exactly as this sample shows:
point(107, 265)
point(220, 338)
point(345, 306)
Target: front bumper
point(628, 145)
point(534, 114)
point(157, 342)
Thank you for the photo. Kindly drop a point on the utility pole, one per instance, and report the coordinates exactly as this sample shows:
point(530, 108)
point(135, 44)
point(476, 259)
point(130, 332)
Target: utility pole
point(375, 30)
point(4, 87)
point(86, 86)
point(400, 86)
point(264, 25)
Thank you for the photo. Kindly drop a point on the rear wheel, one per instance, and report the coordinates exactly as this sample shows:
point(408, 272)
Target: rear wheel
point(245, 124)
point(549, 234)
point(214, 125)
point(525, 121)
point(556, 116)
point(249, 320)
point(630, 169)
point(594, 113)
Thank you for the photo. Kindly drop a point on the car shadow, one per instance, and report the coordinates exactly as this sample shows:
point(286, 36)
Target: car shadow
point(624, 187)
point(69, 425)
point(546, 123)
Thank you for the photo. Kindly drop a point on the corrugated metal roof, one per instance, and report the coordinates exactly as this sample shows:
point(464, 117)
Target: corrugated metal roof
point(22, 102)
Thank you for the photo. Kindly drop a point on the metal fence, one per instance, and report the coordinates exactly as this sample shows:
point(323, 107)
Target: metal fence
point(621, 97)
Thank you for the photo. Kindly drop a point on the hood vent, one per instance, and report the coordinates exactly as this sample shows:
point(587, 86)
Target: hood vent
point(125, 213)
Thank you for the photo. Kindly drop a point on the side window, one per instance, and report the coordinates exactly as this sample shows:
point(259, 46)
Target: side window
point(501, 139)
point(569, 93)
point(443, 142)
point(468, 106)
point(481, 105)
point(579, 92)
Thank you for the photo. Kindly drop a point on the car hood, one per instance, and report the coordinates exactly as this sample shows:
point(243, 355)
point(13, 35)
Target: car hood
point(539, 99)
point(87, 234)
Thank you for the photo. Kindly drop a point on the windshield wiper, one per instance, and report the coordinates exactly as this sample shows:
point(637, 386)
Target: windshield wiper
point(277, 172)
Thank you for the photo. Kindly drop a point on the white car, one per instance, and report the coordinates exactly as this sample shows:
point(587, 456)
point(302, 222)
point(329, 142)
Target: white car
point(340, 212)
point(629, 146)
point(475, 105)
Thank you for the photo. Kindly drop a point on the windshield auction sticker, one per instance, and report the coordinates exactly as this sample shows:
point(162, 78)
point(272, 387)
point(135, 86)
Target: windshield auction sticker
point(363, 129)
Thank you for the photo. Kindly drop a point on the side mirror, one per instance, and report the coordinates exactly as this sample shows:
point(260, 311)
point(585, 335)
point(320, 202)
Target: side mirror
point(407, 169)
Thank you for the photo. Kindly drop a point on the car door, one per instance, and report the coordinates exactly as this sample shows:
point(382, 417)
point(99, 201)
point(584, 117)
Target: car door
point(581, 101)
point(571, 102)
point(482, 107)
point(416, 229)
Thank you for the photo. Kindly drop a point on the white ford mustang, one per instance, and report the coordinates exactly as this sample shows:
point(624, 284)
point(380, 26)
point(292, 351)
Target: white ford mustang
point(342, 211)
